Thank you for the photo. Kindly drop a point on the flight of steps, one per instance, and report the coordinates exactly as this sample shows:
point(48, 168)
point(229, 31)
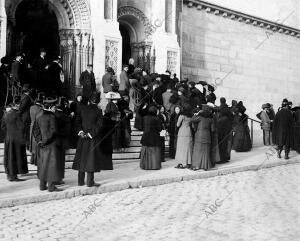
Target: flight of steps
point(130, 154)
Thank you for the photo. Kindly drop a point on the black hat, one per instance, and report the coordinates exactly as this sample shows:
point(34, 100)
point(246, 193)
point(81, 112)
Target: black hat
point(19, 54)
point(17, 100)
point(192, 83)
point(5, 60)
point(42, 50)
point(211, 88)
point(152, 110)
point(26, 88)
point(90, 65)
point(95, 97)
point(241, 108)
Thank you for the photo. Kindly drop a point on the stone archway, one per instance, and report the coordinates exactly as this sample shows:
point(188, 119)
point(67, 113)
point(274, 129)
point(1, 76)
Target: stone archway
point(140, 32)
point(74, 24)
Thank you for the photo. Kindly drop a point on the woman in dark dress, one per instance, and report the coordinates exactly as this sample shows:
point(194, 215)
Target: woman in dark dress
point(15, 159)
point(162, 115)
point(201, 158)
point(241, 138)
point(34, 111)
point(126, 116)
point(173, 131)
point(297, 128)
point(224, 133)
point(151, 142)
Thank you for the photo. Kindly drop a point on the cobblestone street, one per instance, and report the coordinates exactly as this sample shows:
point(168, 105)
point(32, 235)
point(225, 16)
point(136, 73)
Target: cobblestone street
point(263, 205)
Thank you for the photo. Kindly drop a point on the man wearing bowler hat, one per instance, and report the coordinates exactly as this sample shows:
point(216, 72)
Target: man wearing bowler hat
point(87, 80)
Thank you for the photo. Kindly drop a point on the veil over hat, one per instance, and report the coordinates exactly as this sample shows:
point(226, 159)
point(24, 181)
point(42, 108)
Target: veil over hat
point(241, 108)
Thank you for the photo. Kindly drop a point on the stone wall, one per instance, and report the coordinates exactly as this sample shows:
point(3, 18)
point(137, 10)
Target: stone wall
point(261, 66)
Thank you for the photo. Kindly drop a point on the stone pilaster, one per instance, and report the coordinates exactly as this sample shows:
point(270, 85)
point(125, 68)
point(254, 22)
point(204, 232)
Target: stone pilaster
point(77, 50)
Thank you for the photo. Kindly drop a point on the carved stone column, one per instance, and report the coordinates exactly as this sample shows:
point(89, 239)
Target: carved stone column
point(77, 50)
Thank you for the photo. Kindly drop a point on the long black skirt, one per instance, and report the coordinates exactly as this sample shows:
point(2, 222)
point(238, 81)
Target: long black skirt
point(150, 158)
point(15, 158)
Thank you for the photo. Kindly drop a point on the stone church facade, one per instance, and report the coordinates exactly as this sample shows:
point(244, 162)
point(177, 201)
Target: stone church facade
point(100, 32)
point(249, 49)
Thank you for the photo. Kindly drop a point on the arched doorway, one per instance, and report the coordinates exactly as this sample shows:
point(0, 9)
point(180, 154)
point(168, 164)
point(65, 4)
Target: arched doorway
point(126, 45)
point(136, 31)
point(36, 27)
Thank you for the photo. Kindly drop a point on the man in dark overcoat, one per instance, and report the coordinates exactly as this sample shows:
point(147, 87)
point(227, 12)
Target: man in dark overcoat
point(25, 104)
point(64, 131)
point(87, 80)
point(283, 130)
point(39, 70)
point(108, 80)
point(89, 154)
point(16, 69)
point(53, 84)
point(49, 161)
point(15, 159)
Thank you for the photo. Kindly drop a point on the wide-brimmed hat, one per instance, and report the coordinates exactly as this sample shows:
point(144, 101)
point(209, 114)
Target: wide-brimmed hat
point(209, 105)
point(49, 101)
point(26, 88)
point(112, 96)
point(267, 105)
point(5, 60)
point(210, 88)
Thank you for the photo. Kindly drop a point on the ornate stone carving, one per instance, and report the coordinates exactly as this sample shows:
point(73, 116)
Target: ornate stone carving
point(171, 61)
point(78, 11)
point(237, 16)
point(127, 10)
point(111, 54)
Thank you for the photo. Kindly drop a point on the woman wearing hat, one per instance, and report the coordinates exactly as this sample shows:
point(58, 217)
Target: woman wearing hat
point(35, 110)
point(15, 159)
point(204, 127)
point(151, 144)
point(49, 160)
point(241, 138)
point(184, 146)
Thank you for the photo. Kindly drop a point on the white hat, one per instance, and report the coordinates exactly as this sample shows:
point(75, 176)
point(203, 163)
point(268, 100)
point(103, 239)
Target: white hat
point(112, 95)
point(199, 87)
point(211, 105)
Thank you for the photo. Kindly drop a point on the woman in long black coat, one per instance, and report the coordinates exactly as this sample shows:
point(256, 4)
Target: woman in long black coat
point(151, 143)
point(125, 128)
point(241, 139)
point(49, 160)
point(173, 131)
point(283, 135)
point(224, 133)
point(15, 159)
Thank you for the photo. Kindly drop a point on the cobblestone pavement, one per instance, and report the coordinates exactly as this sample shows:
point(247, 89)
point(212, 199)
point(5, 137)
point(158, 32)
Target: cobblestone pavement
point(263, 205)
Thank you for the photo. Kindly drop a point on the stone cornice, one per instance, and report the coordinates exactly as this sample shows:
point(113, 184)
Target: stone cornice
point(241, 17)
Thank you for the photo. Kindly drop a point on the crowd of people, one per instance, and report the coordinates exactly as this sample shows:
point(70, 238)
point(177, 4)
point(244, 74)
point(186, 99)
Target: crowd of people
point(42, 120)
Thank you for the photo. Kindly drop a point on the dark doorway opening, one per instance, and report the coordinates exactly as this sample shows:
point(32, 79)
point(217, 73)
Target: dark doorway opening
point(126, 47)
point(36, 28)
